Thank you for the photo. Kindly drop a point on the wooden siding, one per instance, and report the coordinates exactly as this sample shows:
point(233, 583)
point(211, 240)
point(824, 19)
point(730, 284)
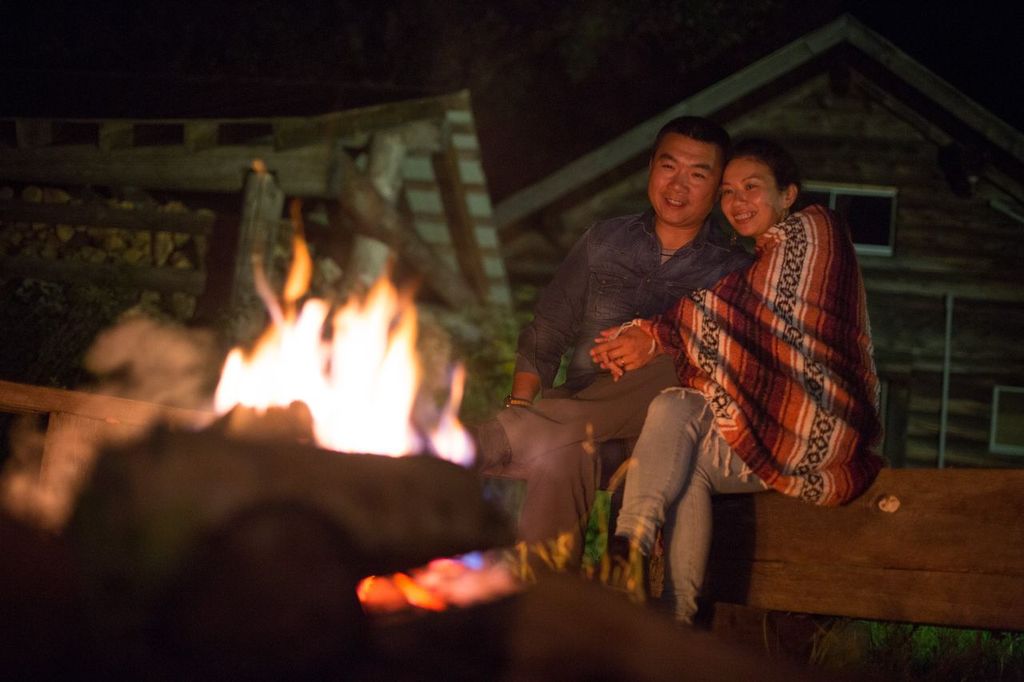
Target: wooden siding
point(444, 186)
point(945, 245)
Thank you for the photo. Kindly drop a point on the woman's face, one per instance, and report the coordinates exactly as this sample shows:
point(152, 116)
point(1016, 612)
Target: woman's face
point(751, 200)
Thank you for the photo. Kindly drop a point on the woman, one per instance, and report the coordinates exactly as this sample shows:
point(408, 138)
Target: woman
point(779, 389)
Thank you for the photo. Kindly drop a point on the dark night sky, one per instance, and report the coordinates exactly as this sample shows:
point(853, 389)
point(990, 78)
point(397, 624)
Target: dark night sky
point(550, 81)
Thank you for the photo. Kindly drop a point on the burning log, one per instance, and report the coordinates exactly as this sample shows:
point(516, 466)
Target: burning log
point(198, 547)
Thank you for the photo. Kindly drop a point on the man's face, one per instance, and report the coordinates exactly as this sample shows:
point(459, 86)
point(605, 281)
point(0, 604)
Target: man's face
point(683, 181)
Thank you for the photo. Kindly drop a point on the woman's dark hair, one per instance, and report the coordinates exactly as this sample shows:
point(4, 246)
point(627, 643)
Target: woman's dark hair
point(771, 154)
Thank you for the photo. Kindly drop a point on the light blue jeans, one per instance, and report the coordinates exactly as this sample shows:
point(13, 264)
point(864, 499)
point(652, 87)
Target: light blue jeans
point(678, 463)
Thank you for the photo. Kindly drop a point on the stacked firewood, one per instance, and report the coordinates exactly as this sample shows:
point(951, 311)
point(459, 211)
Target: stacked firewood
point(97, 245)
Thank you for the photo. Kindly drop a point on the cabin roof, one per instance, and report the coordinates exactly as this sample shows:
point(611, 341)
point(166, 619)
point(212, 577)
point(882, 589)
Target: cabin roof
point(723, 99)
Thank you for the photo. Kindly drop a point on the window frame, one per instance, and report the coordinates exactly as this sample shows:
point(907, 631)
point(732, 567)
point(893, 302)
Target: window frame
point(834, 189)
point(993, 446)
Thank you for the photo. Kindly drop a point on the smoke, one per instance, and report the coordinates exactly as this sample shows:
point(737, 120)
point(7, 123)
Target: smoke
point(158, 362)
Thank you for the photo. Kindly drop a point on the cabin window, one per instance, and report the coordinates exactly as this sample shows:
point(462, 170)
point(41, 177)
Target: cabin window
point(1007, 433)
point(869, 210)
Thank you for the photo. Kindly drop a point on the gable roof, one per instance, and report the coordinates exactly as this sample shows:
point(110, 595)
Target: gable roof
point(844, 30)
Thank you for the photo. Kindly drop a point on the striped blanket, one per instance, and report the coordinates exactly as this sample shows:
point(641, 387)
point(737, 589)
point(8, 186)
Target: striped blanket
point(782, 351)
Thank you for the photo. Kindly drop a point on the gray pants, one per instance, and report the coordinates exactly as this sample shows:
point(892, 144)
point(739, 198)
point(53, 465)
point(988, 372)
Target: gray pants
point(678, 463)
point(549, 446)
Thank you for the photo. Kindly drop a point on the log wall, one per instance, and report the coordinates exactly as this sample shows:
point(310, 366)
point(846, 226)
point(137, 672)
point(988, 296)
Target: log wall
point(854, 132)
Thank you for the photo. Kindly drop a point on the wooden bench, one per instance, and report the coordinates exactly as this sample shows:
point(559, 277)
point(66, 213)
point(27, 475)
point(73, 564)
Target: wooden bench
point(930, 546)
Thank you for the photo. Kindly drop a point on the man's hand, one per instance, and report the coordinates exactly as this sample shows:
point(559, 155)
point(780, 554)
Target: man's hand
point(618, 349)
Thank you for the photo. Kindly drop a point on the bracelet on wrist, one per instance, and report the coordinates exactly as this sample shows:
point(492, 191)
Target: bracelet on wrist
point(512, 401)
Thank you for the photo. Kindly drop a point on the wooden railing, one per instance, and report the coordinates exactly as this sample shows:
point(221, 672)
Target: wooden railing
point(78, 423)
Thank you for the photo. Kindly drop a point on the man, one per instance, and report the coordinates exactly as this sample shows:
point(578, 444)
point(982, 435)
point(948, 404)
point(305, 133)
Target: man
point(624, 268)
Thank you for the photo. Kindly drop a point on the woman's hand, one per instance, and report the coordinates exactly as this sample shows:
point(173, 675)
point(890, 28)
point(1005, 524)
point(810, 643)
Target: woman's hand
point(624, 348)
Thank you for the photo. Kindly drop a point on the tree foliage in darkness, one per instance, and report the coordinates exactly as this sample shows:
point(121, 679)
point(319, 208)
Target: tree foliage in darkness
point(549, 80)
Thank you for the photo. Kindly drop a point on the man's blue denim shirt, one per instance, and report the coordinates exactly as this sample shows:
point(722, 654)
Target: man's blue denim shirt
point(613, 274)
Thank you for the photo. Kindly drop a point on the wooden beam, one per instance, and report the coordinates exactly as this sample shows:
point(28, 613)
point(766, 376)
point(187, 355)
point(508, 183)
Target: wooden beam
point(932, 546)
point(302, 172)
point(116, 135)
point(31, 133)
point(124, 276)
point(936, 89)
point(102, 215)
point(28, 399)
point(979, 600)
point(200, 135)
point(375, 217)
point(290, 133)
point(461, 226)
point(262, 206)
point(896, 283)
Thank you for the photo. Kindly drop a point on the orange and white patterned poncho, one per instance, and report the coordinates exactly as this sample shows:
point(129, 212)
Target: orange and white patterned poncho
point(782, 352)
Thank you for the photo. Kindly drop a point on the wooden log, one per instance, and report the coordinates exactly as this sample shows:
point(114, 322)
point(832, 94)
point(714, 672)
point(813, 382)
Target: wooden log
point(361, 203)
point(103, 215)
point(124, 276)
point(370, 256)
point(397, 512)
point(461, 226)
point(262, 206)
point(949, 550)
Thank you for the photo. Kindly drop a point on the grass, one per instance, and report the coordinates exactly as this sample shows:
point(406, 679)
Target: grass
point(902, 651)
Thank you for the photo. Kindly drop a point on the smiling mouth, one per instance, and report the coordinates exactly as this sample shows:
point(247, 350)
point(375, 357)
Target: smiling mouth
point(677, 203)
point(743, 217)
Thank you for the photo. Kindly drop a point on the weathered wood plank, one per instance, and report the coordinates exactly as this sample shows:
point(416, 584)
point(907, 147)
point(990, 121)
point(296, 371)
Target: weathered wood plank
point(981, 600)
point(360, 203)
point(127, 276)
point(290, 133)
point(941, 513)
point(28, 399)
point(31, 133)
point(952, 551)
point(460, 222)
point(262, 205)
point(302, 171)
point(116, 135)
point(200, 135)
point(101, 215)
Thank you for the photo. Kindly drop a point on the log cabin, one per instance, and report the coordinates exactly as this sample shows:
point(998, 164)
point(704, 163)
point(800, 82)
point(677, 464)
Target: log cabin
point(932, 187)
point(414, 162)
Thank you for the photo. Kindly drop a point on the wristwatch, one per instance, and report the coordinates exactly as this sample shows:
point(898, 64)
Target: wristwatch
point(512, 401)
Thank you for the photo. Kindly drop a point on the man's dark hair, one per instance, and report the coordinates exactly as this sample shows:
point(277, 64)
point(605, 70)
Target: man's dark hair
point(779, 161)
point(697, 128)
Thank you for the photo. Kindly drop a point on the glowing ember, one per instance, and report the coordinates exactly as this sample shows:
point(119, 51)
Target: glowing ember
point(359, 385)
point(441, 583)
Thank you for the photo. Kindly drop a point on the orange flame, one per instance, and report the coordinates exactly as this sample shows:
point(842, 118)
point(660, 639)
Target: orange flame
point(360, 385)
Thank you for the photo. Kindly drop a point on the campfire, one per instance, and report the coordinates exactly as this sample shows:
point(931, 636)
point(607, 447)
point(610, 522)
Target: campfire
point(349, 381)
